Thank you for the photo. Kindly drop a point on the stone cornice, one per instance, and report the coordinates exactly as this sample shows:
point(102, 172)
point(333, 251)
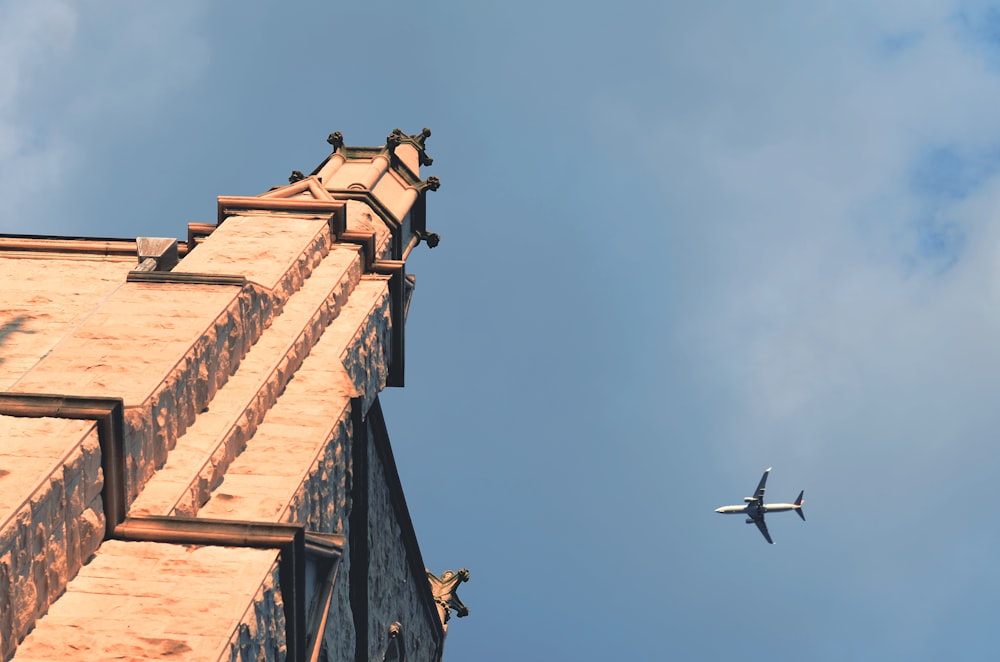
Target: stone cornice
point(230, 205)
point(110, 246)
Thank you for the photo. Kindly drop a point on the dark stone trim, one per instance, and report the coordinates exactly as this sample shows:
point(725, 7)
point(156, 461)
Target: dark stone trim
point(360, 553)
point(185, 278)
point(57, 244)
point(396, 270)
point(328, 547)
point(40, 243)
point(367, 243)
point(230, 205)
point(395, 224)
point(199, 232)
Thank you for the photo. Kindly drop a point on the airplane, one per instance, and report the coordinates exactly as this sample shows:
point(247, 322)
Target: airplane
point(754, 507)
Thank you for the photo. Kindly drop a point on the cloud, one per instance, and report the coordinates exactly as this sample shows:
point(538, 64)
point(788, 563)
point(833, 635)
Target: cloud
point(828, 197)
point(34, 38)
point(73, 83)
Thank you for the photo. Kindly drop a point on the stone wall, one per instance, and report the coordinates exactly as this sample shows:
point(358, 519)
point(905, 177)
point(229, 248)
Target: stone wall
point(339, 637)
point(394, 591)
point(260, 636)
point(53, 467)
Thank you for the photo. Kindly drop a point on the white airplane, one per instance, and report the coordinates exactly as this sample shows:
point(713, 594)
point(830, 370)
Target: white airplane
point(754, 507)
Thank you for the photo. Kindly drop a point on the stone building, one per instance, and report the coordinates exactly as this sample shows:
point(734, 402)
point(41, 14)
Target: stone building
point(193, 458)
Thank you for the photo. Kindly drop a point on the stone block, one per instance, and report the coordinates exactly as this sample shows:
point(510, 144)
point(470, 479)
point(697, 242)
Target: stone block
point(73, 558)
point(93, 474)
point(7, 640)
point(74, 485)
point(24, 598)
point(91, 532)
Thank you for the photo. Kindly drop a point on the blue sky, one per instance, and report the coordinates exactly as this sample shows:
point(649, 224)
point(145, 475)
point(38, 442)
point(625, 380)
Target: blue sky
point(681, 242)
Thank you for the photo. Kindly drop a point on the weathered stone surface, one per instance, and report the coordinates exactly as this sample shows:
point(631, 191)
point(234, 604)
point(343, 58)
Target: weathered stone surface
point(105, 356)
point(393, 594)
point(200, 334)
point(306, 427)
point(273, 250)
point(51, 515)
point(206, 450)
point(366, 357)
point(141, 600)
point(362, 334)
point(200, 330)
point(45, 295)
point(309, 416)
point(260, 634)
point(154, 422)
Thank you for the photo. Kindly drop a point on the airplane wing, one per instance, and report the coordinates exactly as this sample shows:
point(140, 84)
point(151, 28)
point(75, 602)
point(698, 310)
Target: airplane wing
point(763, 527)
point(759, 494)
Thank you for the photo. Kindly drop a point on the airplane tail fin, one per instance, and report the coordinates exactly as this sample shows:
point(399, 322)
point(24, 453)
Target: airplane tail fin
point(798, 505)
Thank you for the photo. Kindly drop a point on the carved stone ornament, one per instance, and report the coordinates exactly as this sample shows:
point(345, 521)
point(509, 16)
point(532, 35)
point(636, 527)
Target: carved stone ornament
point(432, 183)
point(397, 138)
point(445, 591)
point(432, 239)
point(395, 651)
point(336, 139)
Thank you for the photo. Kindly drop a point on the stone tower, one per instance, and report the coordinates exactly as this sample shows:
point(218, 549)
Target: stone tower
point(193, 458)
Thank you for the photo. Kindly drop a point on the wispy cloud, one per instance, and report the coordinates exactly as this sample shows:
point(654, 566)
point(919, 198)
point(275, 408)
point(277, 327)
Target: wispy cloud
point(830, 203)
point(34, 39)
point(74, 81)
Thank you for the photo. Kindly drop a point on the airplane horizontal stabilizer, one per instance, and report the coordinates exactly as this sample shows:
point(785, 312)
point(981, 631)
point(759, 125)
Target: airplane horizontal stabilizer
point(798, 506)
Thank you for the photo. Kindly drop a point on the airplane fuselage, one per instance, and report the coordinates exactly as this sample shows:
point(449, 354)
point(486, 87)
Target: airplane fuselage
point(751, 509)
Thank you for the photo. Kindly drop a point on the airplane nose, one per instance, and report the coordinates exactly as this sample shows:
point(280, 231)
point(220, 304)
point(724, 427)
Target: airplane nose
point(718, 510)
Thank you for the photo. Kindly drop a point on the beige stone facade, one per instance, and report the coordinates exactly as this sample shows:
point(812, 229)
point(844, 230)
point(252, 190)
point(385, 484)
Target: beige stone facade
point(193, 459)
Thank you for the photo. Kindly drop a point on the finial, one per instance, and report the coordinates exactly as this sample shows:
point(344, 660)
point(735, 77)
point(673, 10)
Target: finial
point(397, 138)
point(445, 591)
point(336, 139)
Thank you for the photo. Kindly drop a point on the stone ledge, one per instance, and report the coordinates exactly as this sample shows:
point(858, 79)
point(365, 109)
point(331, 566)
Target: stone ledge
point(58, 523)
point(277, 252)
point(308, 424)
point(203, 454)
point(45, 297)
point(125, 603)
